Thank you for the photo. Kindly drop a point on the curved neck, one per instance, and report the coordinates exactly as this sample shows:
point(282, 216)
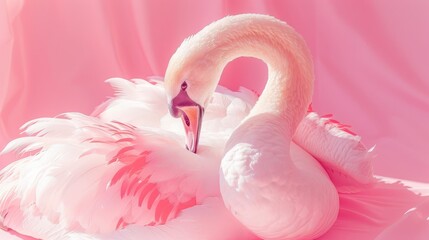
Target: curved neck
point(289, 87)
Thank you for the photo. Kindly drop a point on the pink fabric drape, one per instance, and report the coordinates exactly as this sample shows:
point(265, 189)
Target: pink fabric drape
point(370, 61)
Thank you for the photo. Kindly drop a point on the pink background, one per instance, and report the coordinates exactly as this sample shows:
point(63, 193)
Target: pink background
point(371, 61)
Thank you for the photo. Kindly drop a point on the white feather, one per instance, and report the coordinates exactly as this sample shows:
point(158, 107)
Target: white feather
point(62, 185)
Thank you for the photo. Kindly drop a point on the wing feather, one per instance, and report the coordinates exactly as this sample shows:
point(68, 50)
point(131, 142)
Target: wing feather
point(101, 175)
point(341, 152)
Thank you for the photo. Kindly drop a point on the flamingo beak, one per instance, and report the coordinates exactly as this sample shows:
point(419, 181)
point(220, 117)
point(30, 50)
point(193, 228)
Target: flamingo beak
point(191, 114)
point(192, 117)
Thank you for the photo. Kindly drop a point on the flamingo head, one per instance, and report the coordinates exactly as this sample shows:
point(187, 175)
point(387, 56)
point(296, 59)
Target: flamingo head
point(190, 81)
point(191, 112)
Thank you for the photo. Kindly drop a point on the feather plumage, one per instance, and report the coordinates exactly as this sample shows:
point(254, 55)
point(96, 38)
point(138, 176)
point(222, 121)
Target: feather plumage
point(98, 174)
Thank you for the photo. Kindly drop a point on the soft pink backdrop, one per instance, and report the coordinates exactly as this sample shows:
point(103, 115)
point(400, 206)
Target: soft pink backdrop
point(371, 61)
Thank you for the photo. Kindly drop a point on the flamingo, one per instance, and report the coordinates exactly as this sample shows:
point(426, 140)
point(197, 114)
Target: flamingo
point(272, 187)
point(123, 173)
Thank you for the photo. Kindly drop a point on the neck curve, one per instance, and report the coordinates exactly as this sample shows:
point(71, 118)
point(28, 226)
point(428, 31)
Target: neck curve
point(289, 88)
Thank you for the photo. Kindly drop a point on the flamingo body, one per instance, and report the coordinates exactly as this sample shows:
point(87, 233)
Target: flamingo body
point(268, 187)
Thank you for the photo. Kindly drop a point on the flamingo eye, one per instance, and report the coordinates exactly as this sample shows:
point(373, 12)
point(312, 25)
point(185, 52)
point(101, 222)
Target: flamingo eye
point(184, 86)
